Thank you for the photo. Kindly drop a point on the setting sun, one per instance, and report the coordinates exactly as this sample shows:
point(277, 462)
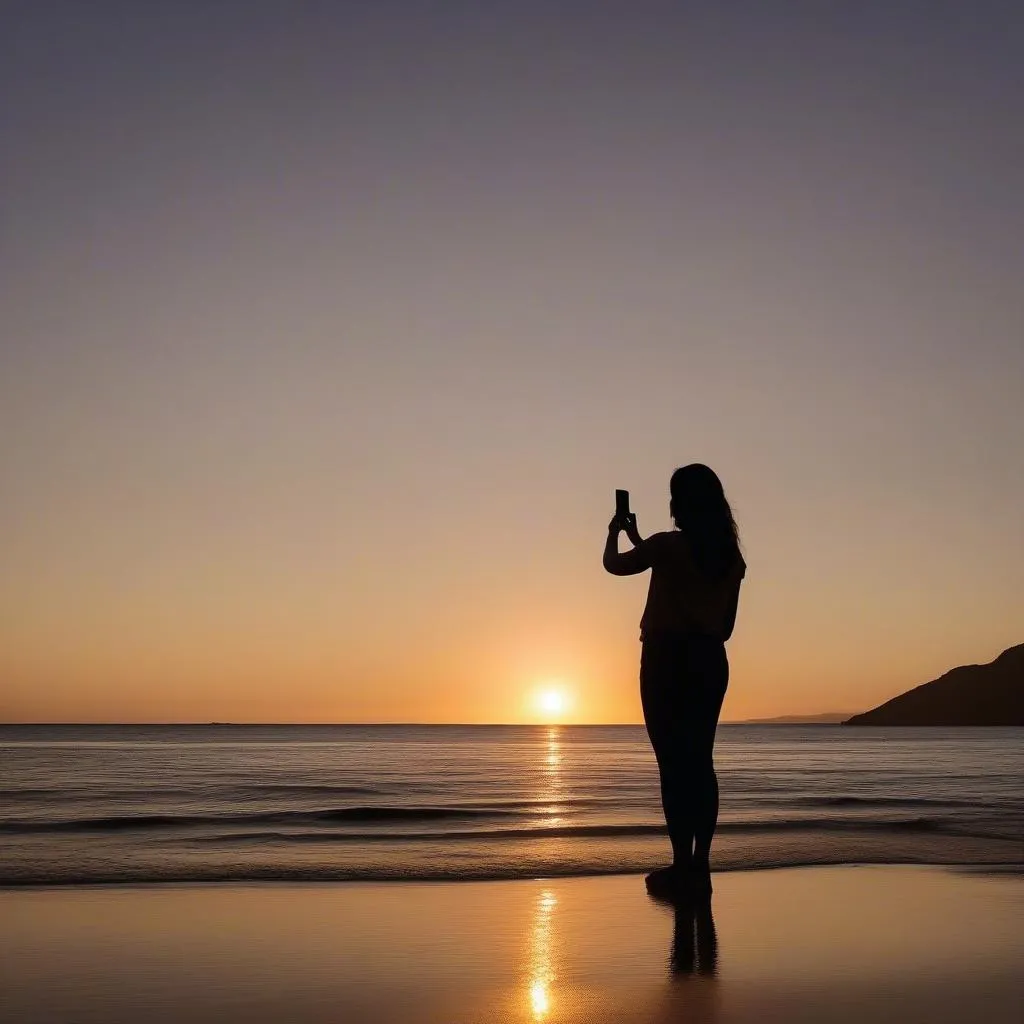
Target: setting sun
point(551, 702)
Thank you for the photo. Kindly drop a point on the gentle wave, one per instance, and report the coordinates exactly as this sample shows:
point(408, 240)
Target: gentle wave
point(357, 815)
point(581, 832)
point(163, 792)
point(878, 801)
point(122, 822)
point(910, 825)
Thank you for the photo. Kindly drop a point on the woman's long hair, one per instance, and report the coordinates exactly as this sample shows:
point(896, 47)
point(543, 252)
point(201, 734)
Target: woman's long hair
point(702, 514)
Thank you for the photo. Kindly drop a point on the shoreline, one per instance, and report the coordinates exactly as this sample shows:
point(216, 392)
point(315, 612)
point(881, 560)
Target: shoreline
point(1009, 867)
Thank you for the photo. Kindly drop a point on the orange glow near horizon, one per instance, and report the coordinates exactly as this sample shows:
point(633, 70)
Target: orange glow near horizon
point(326, 686)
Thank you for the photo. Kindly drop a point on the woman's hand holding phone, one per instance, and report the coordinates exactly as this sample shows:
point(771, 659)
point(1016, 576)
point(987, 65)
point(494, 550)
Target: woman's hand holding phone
point(626, 524)
point(629, 528)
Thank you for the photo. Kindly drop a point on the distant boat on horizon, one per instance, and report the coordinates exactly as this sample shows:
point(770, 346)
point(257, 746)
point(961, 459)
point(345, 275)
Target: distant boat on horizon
point(990, 694)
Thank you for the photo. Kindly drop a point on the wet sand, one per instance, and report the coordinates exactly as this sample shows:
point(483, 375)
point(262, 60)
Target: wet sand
point(873, 943)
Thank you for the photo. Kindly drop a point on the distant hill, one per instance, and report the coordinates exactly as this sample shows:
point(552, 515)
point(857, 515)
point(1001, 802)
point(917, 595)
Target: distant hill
point(826, 718)
point(991, 694)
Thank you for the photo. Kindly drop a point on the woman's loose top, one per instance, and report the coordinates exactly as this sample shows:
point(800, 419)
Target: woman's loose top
point(680, 597)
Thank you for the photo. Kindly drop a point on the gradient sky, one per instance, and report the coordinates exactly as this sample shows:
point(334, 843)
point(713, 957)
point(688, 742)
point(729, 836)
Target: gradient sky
point(329, 328)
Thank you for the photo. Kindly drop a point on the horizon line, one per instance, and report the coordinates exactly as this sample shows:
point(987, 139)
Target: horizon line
point(778, 719)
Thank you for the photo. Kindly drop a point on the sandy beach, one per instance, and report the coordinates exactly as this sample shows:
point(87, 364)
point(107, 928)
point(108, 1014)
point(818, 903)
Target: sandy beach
point(880, 943)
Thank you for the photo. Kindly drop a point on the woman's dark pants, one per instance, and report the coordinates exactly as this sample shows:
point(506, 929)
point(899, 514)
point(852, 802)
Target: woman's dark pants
point(683, 678)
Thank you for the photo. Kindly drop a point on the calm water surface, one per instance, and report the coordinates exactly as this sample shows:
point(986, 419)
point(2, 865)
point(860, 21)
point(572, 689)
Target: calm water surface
point(125, 803)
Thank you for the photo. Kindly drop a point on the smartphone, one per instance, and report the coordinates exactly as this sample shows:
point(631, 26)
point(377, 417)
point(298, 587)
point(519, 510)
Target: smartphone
point(621, 503)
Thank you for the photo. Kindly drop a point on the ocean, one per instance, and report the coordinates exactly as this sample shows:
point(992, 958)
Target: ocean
point(124, 804)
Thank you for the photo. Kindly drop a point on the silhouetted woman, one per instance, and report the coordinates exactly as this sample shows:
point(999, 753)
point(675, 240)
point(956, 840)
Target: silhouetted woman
point(696, 571)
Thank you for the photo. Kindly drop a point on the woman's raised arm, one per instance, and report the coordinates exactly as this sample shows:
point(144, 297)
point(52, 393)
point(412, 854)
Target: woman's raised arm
point(626, 563)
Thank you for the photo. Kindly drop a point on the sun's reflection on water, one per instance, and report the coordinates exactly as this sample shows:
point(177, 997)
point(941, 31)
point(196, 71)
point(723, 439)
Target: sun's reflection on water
point(542, 973)
point(551, 768)
point(541, 960)
point(554, 758)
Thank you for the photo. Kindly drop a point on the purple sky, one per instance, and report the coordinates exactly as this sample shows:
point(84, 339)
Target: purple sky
point(329, 328)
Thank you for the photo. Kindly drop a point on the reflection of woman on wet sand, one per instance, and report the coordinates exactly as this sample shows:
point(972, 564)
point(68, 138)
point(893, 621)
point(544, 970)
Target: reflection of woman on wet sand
point(694, 941)
point(696, 571)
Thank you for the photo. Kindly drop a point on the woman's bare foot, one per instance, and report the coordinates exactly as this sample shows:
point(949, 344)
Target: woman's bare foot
point(679, 884)
point(664, 881)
